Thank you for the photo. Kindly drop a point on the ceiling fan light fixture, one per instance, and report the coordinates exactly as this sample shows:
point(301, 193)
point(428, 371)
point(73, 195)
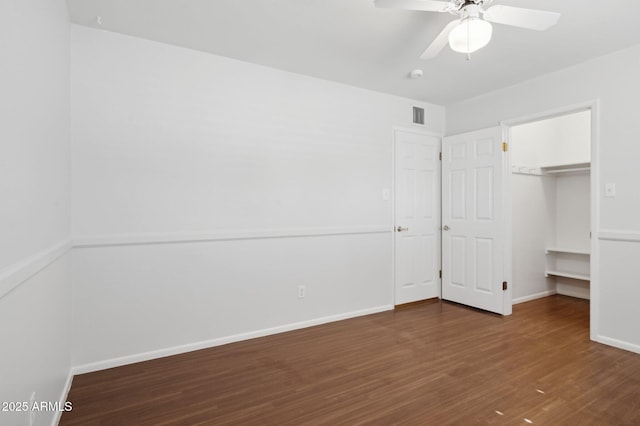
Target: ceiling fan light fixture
point(470, 35)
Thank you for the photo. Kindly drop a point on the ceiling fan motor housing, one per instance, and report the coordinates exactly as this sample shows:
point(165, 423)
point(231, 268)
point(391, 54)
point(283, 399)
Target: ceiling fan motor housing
point(471, 11)
point(460, 5)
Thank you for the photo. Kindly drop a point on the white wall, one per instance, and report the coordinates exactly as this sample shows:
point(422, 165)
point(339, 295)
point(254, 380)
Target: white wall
point(573, 224)
point(573, 205)
point(551, 142)
point(35, 214)
point(533, 229)
point(612, 80)
point(260, 180)
point(155, 300)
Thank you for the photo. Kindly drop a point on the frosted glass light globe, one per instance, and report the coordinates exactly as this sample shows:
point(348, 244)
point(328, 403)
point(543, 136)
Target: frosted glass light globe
point(470, 35)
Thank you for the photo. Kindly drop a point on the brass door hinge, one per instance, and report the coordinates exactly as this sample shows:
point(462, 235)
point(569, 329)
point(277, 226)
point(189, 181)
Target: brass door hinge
point(504, 285)
point(505, 147)
point(440, 273)
point(440, 156)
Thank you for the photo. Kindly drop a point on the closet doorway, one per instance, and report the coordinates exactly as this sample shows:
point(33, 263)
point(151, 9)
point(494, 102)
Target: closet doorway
point(552, 187)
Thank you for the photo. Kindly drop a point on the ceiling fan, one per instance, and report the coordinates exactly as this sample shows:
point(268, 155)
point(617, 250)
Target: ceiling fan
point(472, 31)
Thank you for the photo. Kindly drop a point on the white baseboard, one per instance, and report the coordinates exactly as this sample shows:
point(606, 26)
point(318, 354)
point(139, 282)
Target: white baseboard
point(531, 297)
point(577, 293)
point(145, 356)
point(618, 344)
point(63, 399)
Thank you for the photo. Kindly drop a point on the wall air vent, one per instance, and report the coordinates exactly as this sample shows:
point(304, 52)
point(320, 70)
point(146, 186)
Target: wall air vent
point(418, 115)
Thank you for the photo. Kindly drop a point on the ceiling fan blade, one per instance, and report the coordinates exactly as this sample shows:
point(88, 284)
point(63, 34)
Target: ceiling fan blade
point(440, 41)
point(424, 5)
point(518, 17)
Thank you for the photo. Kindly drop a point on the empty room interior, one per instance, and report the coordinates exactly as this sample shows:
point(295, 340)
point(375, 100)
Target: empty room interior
point(319, 212)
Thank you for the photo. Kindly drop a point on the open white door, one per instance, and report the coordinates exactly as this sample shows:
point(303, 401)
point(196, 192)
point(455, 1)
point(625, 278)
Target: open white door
point(474, 223)
point(417, 216)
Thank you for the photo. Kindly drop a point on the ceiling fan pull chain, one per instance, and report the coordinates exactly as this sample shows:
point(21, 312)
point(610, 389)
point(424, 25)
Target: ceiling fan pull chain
point(468, 22)
point(468, 40)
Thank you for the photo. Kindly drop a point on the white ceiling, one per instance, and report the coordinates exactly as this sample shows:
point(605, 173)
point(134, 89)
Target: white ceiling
point(352, 42)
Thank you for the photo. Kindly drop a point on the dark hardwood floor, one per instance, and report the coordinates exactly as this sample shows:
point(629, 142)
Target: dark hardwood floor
point(431, 364)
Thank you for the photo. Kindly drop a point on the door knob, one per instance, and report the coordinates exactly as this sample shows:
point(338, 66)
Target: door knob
point(446, 228)
point(400, 229)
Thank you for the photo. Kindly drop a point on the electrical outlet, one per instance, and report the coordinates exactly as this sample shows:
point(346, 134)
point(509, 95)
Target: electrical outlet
point(301, 291)
point(610, 190)
point(32, 412)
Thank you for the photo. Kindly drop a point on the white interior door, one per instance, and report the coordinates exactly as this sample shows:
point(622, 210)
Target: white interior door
point(474, 224)
point(417, 216)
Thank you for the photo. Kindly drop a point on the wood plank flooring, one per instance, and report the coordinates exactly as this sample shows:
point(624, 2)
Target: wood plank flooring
point(431, 364)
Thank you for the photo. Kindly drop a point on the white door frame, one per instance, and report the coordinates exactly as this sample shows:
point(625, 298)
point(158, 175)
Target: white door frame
point(393, 200)
point(593, 106)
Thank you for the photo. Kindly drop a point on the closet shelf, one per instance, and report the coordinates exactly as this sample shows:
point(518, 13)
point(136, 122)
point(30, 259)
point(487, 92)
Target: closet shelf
point(582, 277)
point(567, 168)
point(567, 250)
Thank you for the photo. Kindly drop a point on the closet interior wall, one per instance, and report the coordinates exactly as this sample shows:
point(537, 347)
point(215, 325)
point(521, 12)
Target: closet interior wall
point(550, 186)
